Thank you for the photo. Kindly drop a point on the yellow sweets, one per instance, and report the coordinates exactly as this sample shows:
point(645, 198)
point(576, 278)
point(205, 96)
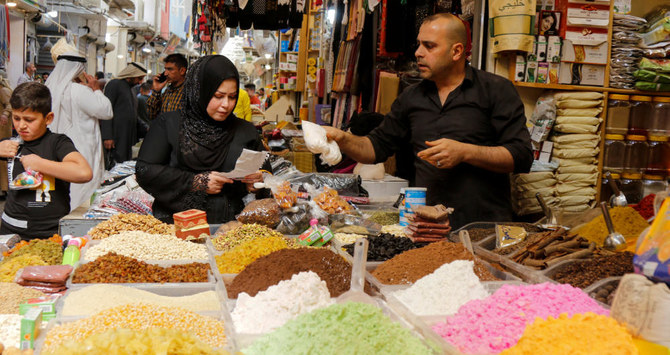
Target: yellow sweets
point(235, 260)
point(587, 333)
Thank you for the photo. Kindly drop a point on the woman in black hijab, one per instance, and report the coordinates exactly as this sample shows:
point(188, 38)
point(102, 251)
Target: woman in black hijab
point(184, 151)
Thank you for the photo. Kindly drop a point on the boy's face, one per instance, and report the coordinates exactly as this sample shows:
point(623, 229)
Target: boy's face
point(30, 124)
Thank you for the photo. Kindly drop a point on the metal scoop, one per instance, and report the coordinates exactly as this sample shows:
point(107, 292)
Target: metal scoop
point(356, 293)
point(552, 220)
point(614, 241)
point(617, 198)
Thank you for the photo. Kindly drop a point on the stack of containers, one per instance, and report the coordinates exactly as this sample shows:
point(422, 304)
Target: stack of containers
point(576, 140)
point(525, 186)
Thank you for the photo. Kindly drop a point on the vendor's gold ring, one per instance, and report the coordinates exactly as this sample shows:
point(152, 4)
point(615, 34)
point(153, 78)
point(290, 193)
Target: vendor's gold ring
point(438, 164)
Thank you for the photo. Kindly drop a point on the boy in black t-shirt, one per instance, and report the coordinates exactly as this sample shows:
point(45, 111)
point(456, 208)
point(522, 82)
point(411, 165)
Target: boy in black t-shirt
point(35, 212)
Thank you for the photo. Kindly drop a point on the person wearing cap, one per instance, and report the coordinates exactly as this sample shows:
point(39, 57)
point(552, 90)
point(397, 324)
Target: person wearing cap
point(466, 126)
point(120, 133)
point(79, 104)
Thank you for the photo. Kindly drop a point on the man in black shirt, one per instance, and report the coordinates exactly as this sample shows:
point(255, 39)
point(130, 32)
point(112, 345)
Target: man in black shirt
point(467, 128)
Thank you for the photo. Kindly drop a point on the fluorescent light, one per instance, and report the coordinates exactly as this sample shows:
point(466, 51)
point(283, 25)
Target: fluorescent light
point(120, 56)
point(268, 55)
point(149, 71)
point(268, 67)
point(11, 4)
point(146, 49)
point(330, 15)
point(52, 13)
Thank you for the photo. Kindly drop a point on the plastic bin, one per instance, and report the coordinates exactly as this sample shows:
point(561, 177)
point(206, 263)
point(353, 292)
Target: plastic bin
point(599, 285)
point(521, 271)
point(93, 243)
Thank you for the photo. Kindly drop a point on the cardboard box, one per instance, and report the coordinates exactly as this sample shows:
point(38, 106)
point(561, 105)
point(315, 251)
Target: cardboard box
point(189, 219)
point(520, 69)
point(192, 233)
point(554, 71)
point(291, 58)
point(581, 74)
point(588, 36)
point(542, 73)
point(584, 53)
point(531, 72)
point(30, 328)
point(554, 49)
point(541, 49)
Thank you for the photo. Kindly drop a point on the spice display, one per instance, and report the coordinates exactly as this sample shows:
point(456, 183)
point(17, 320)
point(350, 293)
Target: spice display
point(130, 222)
point(626, 221)
point(497, 322)
point(265, 212)
point(49, 251)
point(646, 206)
point(153, 341)
point(283, 264)
point(10, 330)
point(96, 298)
point(137, 317)
point(542, 250)
point(350, 328)
point(235, 260)
point(33, 243)
point(271, 308)
point(384, 246)
point(444, 291)
point(605, 293)
point(408, 267)
point(227, 227)
point(385, 218)
point(580, 334)
point(145, 246)
point(11, 295)
point(348, 238)
point(114, 268)
point(237, 236)
point(9, 268)
point(479, 234)
point(584, 273)
point(330, 201)
point(284, 195)
point(618, 114)
point(394, 229)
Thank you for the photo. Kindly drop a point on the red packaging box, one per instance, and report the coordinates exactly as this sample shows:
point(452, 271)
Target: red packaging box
point(189, 219)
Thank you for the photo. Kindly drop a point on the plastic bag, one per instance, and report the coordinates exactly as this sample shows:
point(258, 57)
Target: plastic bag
point(49, 273)
point(437, 213)
point(226, 227)
point(26, 180)
point(345, 184)
point(282, 191)
point(265, 212)
point(317, 143)
point(543, 119)
point(328, 200)
point(652, 256)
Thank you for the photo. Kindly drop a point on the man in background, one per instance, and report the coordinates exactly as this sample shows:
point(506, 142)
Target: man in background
point(171, 99)
point(29, 75)
point(251, 90)
point(142, 113)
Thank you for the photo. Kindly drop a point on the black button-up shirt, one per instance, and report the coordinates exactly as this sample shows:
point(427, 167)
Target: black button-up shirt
point(484, 110)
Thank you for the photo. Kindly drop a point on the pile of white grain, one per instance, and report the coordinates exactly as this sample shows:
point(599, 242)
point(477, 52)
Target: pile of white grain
point(145, 246)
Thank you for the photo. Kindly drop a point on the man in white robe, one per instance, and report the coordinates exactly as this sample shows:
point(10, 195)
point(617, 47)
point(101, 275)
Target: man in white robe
point(78, 104)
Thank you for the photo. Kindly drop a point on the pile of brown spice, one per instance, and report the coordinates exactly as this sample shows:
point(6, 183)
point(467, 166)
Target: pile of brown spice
point(605, 264)
point(412, 265)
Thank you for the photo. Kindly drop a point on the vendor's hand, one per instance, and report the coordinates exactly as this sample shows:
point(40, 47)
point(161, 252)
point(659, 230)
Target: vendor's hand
point(216, 182)
point(8, 148)
point(333, 133)
point(31, 161)
point(157, 86)
point(109, 144)
point(251, 179)
point(444, 153)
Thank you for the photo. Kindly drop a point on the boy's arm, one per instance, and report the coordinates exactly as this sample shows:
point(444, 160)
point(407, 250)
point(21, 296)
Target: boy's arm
point(73, 168)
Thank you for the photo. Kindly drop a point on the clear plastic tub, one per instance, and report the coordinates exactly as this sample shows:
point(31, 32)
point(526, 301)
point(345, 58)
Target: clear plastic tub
point(595, 288)
point(520, 271)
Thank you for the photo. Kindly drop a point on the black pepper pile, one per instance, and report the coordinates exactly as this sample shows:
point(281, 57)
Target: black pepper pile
point(583, 274)
point(385, 246)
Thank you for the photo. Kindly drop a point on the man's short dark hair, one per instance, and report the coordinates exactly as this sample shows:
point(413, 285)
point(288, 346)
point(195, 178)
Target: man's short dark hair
point(250, 86)
point(146, 86)
point(99, 75)
point(178, 59)
point(31, 95)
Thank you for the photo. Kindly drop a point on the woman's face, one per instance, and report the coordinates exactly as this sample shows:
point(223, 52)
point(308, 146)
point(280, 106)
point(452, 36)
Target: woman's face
point(222, 104)
point(547, 22)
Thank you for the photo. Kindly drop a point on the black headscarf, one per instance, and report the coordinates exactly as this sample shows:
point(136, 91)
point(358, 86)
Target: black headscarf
point(204, 142)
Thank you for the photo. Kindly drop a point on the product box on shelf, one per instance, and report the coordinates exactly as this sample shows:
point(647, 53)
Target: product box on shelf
point(190, 224)
point(588, 54)
point(581, 74)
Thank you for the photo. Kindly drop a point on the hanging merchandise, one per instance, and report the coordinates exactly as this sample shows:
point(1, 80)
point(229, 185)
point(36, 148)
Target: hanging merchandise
point(512, 25)
point(4, 35)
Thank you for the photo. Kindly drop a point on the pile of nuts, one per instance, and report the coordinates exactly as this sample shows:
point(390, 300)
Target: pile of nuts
point(130, 222)
point(145, 246)
point(113, 268)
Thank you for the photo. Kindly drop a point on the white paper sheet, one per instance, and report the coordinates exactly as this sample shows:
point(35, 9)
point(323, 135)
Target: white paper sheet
point(249, 162)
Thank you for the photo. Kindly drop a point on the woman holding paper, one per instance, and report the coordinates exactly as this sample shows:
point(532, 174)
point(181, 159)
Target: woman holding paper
point(185, 152)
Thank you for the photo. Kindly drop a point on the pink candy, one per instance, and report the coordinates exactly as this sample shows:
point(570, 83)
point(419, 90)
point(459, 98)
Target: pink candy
point(496, 323)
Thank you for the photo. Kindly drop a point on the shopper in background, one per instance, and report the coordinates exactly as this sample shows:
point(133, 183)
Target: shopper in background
point(143, 121)
point(120, 133)
point(5, 126)
point(243, 108)
point(251, 90)
point(29, 74)
point(45, 77)
point(170, 100)
point(99, 75)
point(184, 152)
point(79, 105)
point(467, 128)
point(35, 213)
